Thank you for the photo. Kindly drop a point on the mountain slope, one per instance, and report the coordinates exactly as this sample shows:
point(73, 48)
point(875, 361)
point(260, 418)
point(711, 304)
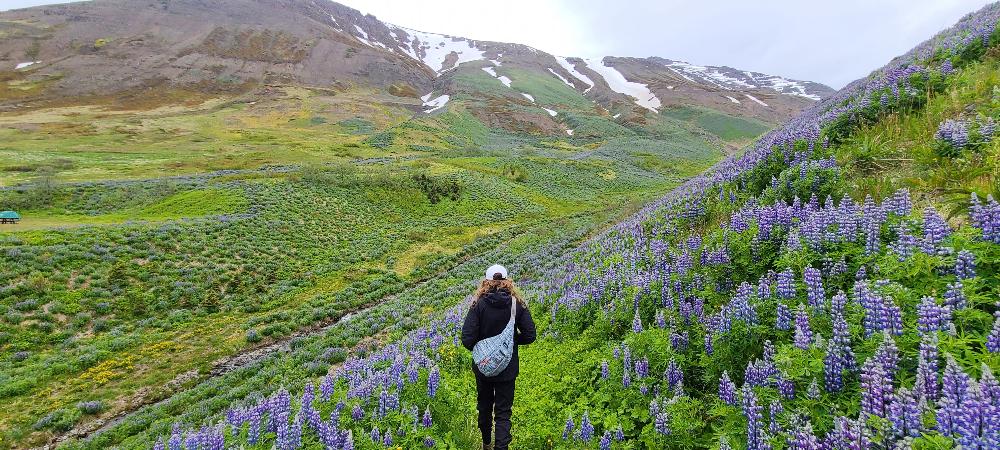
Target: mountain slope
point(107, 47)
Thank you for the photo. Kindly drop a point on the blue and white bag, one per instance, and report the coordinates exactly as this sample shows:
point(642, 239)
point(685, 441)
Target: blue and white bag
point(493, 354)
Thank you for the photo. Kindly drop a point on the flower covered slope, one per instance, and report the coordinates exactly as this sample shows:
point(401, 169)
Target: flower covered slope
point(761, 305)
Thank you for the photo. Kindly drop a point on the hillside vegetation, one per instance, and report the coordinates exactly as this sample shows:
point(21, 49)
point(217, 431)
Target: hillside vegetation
point(165, 245)
point(834, 286)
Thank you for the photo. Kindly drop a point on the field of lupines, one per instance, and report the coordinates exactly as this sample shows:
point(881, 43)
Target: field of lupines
point(121, 293)
point(763, 305)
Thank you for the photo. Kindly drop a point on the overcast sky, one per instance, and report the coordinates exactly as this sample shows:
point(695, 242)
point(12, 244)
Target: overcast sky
point(829, 41)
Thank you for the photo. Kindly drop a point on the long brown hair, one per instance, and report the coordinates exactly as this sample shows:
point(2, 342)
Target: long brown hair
point(487, 286)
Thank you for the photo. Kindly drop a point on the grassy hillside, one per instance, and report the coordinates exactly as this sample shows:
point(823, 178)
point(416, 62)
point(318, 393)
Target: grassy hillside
point(160, 241)
point(815, 289)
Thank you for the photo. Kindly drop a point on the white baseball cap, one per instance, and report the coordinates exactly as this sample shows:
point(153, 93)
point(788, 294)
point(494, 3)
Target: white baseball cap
point(496, 269)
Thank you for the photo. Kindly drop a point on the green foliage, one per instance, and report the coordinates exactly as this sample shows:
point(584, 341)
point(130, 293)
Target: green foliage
point(436, 189)
point(381, 140)
point(725, 126)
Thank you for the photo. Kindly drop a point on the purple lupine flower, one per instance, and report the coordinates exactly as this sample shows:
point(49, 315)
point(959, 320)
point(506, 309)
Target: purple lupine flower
point(326, 388)
point(904, 245)
point(931, 316)
point(429, 442)
point(604, 370)
point(783, 320)
point(848, 435)
point(257, 425)
point(803, 333)
point(176, 441)
point(433, 382)
point(637, 323)
point(946, 68)
point(881, 313)
point(586, 428)
point(568, 430)
point(661, 320)
point(993, 340)
point(803, 439)
point(357, 413)
point(986, 218)
point(775, 411)
point(727, 389)
point(991, 387)
point(605, 443)
point(349, 440)
point(724, 444)
point(904, 414)
point(839, 356)
point(756, 436)
point(986, 129)
point(888, 355)
point(954, 296)
point(965, 265)
point(978, 424)
point(876, 388)
point(674, 375)
point(642, 368)
point(786, 284)
point(709, 349)
point(661, 418)
point(954, 388)
point(786, 387)
point(953, 132)
point(935, 230)
point(814, 288)
point(619, 434)
point(376, 435)
point(927, 368)
point(900, 203)
point(387, 439)
point(427, 417)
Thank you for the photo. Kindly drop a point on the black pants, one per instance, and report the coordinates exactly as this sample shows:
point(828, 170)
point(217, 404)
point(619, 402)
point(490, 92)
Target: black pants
point(495, 401)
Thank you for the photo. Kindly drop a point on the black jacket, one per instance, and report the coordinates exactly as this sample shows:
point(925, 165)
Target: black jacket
point(487, 318)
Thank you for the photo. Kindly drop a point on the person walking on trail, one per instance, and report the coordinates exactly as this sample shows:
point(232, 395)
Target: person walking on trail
point(497, 323)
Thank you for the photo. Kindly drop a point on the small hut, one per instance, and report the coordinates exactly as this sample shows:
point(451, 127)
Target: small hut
point(9, 217)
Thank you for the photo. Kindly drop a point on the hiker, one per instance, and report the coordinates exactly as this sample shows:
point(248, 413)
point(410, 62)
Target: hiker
point(495, 305)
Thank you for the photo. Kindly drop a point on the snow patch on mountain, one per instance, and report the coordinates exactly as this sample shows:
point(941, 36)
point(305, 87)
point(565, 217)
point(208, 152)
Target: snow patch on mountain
point(25, 64)
point(529, 97)
point(564, 80)
point(572, 71)
point(733, 99)
point(435, 104)
point(551, 112)
point(432, 49)
point(710, 75)
point(366, 40)
point(735, 80)
point(493, 73)
point(618, 83)
point(756, 100)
